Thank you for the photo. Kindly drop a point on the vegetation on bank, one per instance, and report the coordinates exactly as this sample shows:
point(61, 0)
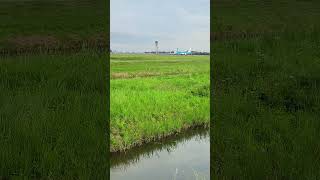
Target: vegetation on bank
point(156, 96)
point(170, 143)
point(53, 116)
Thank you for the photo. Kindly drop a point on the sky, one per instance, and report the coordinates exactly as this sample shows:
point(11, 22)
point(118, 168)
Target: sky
point(136, 25)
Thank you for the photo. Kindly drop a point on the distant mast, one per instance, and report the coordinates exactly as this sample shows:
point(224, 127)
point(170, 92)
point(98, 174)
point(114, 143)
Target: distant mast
point(157, 48)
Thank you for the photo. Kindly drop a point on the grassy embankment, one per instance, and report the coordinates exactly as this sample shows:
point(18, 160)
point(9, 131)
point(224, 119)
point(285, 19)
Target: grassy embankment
point(53, 116)
point(155, 96)
point(266, 96)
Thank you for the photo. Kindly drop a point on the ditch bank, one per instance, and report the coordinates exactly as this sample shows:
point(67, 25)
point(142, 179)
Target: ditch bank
point(162, 137)
point(180, 156)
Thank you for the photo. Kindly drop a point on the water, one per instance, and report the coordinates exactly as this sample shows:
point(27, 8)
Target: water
point(183, 157)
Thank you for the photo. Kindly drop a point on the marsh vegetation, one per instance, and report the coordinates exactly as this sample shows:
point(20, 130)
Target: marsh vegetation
point(155, 96)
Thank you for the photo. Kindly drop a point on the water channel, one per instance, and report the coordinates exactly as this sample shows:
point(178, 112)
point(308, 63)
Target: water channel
point(185, 156)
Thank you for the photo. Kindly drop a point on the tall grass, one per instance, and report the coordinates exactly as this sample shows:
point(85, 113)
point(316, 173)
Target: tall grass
point(148, 108)
point(53, 116)
point(266, 107)
point(77, 18)
point(52, 25)
point(260, 16)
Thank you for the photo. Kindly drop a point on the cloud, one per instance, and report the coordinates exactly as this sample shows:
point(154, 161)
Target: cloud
point(135, 25)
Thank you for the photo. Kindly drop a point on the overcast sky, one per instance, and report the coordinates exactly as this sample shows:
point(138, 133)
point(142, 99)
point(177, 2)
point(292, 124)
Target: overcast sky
point(183, 24)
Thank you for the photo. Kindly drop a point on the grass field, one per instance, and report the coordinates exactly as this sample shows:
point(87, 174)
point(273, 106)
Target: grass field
point(266, 107)
point(53, 116)
point(155, 96)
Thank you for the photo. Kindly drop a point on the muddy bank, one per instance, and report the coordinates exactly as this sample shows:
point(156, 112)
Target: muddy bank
point(234, 35)
point(35, 44)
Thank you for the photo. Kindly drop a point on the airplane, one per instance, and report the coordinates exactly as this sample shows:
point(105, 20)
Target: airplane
point(188, 52)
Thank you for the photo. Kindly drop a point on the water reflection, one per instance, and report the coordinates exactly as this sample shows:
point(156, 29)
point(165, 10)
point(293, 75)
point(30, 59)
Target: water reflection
point(184, 156)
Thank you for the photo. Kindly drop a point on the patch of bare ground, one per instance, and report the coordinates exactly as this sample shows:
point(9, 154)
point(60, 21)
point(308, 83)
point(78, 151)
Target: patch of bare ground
point(33, 41)
point(233, 35)
point(50, 43)
point(126, 75)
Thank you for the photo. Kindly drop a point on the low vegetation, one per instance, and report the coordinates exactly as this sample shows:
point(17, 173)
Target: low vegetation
point(145, 107)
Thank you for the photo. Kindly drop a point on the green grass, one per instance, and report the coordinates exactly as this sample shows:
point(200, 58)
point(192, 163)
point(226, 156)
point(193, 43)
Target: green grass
point(61, 18)
point(53, 116)
point(155, 96)
point(266, 107)
point(53, 23)
point(53, 108)
point(266, 98)
point(259, 16)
